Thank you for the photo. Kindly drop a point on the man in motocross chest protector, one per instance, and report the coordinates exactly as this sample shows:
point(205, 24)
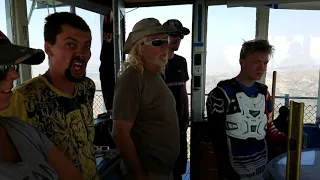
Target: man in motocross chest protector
point(239, 117)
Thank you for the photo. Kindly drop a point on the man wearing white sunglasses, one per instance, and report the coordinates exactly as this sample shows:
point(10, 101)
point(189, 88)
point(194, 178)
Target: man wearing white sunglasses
point(145, 128)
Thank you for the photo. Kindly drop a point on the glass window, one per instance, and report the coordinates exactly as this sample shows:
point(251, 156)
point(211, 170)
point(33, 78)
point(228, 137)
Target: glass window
point(227, 29)
point(93, 20)
point(184, 15)
point(296, 38)
point(36, 39)
point(3, 17)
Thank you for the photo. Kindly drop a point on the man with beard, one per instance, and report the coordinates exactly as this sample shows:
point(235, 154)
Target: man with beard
point(176, 77)
point(145, 123)
point(59, 102)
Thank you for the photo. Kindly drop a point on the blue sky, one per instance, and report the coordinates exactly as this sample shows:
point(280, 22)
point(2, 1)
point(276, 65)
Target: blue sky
point(227, 29)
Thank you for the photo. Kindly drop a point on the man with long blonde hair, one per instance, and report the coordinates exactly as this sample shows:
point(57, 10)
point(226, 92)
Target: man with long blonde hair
point(145, 128)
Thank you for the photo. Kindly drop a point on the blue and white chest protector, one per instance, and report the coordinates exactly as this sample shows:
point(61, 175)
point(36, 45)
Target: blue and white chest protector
point(244, 120)
point(251, 121)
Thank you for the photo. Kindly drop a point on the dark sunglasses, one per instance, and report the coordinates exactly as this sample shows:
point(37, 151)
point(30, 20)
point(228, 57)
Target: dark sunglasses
point(157, 42)
point(4, 70)
point(176, 35)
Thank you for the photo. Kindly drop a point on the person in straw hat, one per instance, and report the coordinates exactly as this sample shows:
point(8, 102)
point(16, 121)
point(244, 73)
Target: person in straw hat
point(145, 122)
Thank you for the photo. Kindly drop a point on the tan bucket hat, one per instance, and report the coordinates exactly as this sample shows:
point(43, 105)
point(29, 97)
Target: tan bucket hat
point(143, 28)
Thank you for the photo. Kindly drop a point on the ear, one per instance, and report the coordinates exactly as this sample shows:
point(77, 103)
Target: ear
point(47, 49)
point(241, 62)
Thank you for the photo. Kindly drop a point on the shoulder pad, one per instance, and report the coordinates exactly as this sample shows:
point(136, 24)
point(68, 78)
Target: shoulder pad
point(262, 88)
point(229, 86)
point(226, 83)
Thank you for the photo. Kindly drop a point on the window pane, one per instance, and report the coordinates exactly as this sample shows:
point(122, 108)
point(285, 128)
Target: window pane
point(228, 28)
point(93, 20)
point(185, 16)
point(3, 17)
point(36, 39)
point(296, 38)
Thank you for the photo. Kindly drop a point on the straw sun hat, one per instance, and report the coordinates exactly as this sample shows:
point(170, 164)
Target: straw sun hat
point(143, 28)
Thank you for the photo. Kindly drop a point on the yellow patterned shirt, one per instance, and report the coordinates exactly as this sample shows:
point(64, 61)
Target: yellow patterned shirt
point(66, 120)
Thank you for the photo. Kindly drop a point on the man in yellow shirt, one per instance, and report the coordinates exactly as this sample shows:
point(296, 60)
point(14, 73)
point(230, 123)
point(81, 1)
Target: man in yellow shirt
point(60, 101)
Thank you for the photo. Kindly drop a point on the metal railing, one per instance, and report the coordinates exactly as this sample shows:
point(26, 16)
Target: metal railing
point(310, 108)
point(98, 104)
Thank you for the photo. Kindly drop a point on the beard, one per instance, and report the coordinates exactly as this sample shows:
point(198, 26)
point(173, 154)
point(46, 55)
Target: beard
point(160, 62)
point(68, 72)
point(72, 78)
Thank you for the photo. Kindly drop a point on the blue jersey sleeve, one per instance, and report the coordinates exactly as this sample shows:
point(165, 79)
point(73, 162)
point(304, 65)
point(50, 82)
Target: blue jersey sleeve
point(217, 104)
point(217, 107)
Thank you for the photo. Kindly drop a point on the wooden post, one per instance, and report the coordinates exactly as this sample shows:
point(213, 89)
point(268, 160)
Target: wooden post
point(274, 85)
point(295, 141)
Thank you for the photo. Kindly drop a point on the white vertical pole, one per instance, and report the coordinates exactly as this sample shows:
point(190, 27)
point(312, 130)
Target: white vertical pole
point(262, 28)
point(17, 21)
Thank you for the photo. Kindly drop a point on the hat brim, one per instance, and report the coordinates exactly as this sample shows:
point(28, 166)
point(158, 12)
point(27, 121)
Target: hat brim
point(185, 31)
point(136, 36)
point(13, 54)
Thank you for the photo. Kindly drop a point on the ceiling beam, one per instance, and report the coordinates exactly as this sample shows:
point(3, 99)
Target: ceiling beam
point(97, 6)
point(143, 3)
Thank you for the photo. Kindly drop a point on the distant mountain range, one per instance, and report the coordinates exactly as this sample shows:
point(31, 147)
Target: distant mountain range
point(294, 81)
point(298, 82)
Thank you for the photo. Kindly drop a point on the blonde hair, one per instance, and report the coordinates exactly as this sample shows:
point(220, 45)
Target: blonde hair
point(134, 59)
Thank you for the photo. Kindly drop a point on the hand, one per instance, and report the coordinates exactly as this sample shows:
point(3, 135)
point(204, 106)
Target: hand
point(142, 176)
